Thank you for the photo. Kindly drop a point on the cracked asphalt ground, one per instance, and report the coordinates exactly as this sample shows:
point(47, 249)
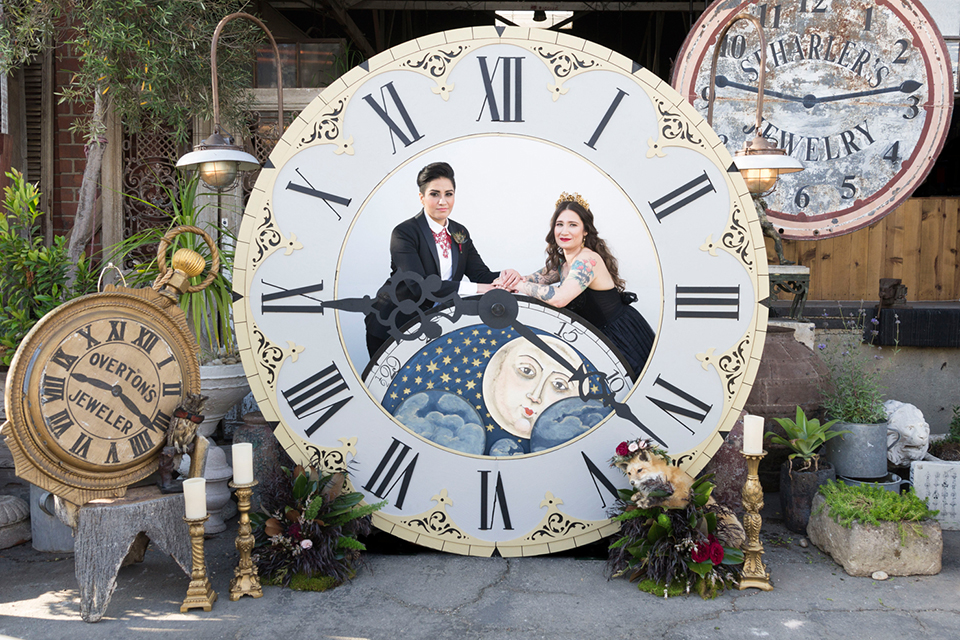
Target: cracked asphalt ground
point(410, 593)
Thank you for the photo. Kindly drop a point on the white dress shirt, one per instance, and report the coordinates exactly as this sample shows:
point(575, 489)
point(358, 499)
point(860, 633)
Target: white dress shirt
point(467, 288)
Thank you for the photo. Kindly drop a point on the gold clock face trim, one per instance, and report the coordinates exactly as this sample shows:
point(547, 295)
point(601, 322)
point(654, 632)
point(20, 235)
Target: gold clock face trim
point(280, 249)
point(91, 390)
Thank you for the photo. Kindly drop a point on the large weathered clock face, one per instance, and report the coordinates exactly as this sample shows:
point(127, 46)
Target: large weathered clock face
point(859, 91)
point(521, 116)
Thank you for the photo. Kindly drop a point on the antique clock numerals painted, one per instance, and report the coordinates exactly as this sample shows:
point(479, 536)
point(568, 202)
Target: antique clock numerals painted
point(488, 422)
point(859, 91)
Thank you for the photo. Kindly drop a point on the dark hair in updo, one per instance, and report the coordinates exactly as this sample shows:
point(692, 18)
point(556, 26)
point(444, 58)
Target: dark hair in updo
point(433, 171)
point(592, 241)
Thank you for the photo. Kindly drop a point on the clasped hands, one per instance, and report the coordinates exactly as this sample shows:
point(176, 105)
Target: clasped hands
point(508, 280)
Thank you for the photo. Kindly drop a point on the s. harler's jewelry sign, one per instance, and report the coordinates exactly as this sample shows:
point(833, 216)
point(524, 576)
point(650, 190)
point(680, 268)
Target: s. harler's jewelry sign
point(860, 91)
point(491, 426)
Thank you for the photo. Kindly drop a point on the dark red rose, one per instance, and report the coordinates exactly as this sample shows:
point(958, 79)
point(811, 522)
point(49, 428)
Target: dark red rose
point(294, 531)
point(701, 553)
point(716, 553)
point(623, 449)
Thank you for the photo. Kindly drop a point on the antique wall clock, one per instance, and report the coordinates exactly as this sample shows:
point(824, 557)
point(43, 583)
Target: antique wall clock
point(434, 425)
point(860, 91)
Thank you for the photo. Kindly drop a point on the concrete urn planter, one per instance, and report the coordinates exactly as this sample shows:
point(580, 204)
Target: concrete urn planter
point(864, 549)
point(224, 385)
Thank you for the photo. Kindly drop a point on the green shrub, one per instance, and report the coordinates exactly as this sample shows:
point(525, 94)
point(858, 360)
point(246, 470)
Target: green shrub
point(872, 504)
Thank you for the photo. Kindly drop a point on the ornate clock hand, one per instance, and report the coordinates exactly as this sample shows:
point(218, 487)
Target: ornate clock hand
point(907, 86)
point(93, 382)
point(132, 406)
point(723, 81)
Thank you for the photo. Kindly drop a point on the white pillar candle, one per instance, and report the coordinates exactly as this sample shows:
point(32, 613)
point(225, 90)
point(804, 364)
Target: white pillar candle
point(752, 434)
point(195, 498)
point(243, 463)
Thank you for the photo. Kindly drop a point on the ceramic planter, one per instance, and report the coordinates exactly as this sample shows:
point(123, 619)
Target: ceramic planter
point(797, 491)
point(862, 453)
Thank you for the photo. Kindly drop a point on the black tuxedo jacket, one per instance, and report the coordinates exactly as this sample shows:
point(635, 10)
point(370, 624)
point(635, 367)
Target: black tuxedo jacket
point(413, 248)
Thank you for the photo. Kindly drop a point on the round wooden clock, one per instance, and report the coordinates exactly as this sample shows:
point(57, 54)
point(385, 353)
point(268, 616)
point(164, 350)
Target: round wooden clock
point(488, 423)
point(860, 91)
point(92, 388)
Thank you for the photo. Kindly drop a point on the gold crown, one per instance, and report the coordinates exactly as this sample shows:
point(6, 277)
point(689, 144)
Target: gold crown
point(572, 197)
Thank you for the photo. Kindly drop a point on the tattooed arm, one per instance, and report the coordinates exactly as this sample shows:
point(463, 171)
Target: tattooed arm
point(543, 276)
point(560, 293)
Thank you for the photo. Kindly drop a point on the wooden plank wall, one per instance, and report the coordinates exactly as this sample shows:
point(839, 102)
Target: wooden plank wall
point(917, 243)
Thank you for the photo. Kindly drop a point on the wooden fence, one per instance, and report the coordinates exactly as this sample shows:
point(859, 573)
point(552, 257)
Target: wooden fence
point(917, 243)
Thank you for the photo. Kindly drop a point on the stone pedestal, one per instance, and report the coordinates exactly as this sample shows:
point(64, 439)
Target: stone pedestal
point(266, 451)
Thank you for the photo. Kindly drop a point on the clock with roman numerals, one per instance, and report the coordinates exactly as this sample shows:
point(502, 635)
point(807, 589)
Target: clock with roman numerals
point(488, 423)
point(860, 91)
point(91, 390)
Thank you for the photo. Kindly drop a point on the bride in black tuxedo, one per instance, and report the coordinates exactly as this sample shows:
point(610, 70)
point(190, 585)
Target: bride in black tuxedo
point(582, 276)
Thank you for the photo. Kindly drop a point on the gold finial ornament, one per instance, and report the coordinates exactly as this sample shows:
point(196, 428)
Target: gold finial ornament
point(188, 261)
point(573, 197)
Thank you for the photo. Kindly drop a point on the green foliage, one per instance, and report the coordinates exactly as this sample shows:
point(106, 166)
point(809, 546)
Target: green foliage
point(804, 437)
point(953, 435)
point(872, 504)
point(301, 582)
point(671, 551)
point(308, 528)
point(209, 312)
point(855, 389)
point(149, 58)
point(33, 277)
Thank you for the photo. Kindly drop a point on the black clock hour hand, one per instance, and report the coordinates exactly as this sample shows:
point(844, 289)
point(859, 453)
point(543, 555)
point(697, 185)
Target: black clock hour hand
point(117, 392)
point(93, 382)
point(908, 86)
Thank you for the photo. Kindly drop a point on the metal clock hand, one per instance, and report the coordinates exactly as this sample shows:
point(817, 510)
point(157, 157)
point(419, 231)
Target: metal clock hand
point(908, 86)
point(723, 81)
point(93, 382)
point(117, 392)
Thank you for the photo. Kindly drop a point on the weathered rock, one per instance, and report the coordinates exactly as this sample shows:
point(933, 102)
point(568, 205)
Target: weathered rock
point(863, 549)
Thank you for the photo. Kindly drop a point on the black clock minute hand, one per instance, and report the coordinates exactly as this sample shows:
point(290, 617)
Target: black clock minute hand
point(908, 86)
point(498, 309)
point(117, 392)
point(723, 81)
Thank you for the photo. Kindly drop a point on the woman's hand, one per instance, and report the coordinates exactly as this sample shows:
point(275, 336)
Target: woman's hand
point(508, 279)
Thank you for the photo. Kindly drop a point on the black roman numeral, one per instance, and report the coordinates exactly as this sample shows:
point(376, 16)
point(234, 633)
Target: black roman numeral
point(162, 422)
point(407, 135)
point(315, 390)
point(53, 388)
point(291, 293)
point(118, 328)
point(499, 497)
point(327, 198)
point(147, 339)
point(112, 454)
point(394, 475)
point(60, 422)
point(82, 446)
point(598, 476)
point(172, 388)
point(682, 196)
point(510, 107)
point(699, 414)
point(161, 365)
point(91, 341)
point(141, 443)
point(606, 119)
point(63, 358)
point(693, 298)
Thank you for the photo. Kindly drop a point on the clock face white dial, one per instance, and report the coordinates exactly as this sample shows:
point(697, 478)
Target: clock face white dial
point(859, 91)
point(521, 116)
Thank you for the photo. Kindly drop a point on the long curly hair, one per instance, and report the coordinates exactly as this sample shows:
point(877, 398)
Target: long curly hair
point(592, 241)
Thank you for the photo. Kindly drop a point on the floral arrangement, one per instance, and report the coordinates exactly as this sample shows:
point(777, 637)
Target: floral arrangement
point(627, 449)
point(673, 551)
point(854, 393)
point(306, 533)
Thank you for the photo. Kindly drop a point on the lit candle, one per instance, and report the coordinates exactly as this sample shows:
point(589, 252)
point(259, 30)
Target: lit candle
point(752, 434)
point(242, 463)
point(195, 498)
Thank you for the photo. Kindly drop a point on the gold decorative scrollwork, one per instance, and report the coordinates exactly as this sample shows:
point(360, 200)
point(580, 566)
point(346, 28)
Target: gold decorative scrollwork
point(735, 238)
point(730, 365)
point(269, 239)
point(438, 64)
point(332, 460)
point(436, 522)
point(269, 357)
point(555, 525)
point(675, 130)
point(564, 65)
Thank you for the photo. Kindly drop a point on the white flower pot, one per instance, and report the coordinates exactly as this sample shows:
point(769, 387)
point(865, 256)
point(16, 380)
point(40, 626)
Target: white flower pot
point(224, 385)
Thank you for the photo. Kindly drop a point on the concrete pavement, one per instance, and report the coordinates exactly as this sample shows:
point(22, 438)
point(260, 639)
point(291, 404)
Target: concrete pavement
point(410, 593)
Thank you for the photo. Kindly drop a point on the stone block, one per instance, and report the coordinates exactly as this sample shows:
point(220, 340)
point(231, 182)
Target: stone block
point(863, 549)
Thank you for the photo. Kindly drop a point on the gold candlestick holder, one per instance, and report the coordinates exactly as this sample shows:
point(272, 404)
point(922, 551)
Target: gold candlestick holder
point(245, 581)
point(755, 574)
point(200, 595)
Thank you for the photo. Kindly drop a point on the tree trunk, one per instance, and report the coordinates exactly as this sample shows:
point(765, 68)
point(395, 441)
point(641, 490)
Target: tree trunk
point(83, 221)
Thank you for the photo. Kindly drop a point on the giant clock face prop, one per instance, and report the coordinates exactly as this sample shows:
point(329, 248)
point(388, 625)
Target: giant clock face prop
point(91, 390)
point(859, 91)
point(488, 423)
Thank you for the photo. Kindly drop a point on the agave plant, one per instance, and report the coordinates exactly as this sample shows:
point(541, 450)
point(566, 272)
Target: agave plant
point(804, 438)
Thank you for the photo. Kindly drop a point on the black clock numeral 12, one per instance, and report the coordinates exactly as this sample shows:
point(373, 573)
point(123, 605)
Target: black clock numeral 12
point(499, 497)
point(316, 389)
point(699, 414)
point(397, 453)
point(407, 135)
point(598, 476)
point(688, 297)
point(291, 293)
point(511, 94)
point(682, 196)
point(606, 119)
point(147, 339)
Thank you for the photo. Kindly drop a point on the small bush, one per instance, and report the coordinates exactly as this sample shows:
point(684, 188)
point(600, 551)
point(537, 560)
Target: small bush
point(873, 504)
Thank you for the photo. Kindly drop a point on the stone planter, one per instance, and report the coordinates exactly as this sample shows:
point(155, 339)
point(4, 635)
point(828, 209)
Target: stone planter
point(863, 549)
point(860, 454)
point(938, 481)
point(224, 385)
point(797, 491)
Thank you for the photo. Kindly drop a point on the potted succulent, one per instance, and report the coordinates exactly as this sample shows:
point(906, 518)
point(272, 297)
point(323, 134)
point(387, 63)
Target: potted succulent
point(804, 472)
point(209, 311)
point(854, 398)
